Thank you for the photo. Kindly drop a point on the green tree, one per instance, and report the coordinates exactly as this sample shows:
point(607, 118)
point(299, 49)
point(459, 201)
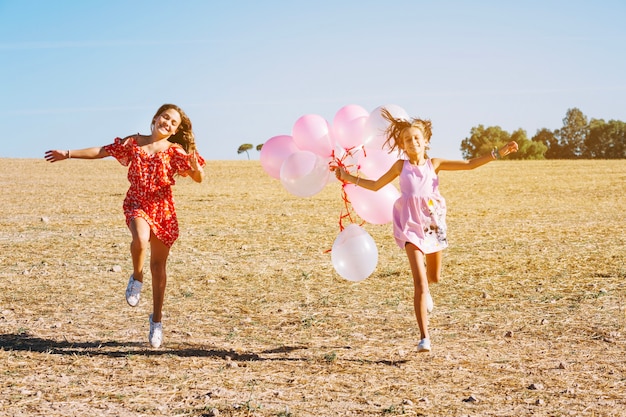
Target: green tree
point(606, 140)
point(259, 147)
point(528, 149)
point(573, 134)
point(547, 138)
point(482, 141)
point(245, 148)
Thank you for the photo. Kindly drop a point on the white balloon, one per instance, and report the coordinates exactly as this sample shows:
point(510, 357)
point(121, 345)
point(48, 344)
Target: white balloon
point(354, 253)
point(304, 173)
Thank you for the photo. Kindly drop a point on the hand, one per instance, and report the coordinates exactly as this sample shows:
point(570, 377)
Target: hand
point(193, 161)
point(54, 156)
point(340, 172)
point(510, 147)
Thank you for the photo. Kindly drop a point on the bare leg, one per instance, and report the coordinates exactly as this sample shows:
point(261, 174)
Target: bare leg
point(420, 285)
point(158, 262)
point(433, 267)
point(140, 231)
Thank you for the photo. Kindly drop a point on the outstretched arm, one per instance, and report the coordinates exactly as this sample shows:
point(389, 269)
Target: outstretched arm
point(453, 165)
point(87, 153)
point(373, 185)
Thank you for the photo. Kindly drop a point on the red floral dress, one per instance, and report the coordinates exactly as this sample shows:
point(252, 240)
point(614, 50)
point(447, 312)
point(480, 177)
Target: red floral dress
point(151, 178)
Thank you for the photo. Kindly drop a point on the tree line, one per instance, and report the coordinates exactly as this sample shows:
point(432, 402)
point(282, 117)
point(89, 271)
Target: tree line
point(579, 138)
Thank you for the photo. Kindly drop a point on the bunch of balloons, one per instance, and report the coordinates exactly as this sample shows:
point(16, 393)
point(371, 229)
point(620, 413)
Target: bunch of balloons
point(355, 140)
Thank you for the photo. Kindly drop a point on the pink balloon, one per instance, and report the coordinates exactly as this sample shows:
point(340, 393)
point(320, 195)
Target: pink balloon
point(374, 207)
point(312, 133)
point(349, 126)
point(304, 173)
point(350, 134)
point(376, 125)
point(354, 254)
point(274, 152)
point(376, 162)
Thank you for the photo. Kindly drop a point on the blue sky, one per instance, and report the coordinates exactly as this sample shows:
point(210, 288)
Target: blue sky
point(76, 74)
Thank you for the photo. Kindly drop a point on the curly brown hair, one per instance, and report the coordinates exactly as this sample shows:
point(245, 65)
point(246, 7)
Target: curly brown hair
point(397, 127)
point(184, 134)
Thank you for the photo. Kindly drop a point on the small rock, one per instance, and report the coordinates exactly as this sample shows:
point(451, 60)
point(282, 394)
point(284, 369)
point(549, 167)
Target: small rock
point(485, 295)
point(535, 387)
point(539, 402)
point(562, 365)
point(508, 334)
point(213, 412)
point(407, 402)
point(544, 321)
point(116, 268)
point(45, 219)
point(470, 399)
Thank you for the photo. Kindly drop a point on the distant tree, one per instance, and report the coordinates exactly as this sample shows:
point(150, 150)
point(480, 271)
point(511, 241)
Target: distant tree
point(528, 149)
point(482, 141)
point(259, 147)
point(573, 134)
point(550, 141)
point(245, 148)
point(606, 140)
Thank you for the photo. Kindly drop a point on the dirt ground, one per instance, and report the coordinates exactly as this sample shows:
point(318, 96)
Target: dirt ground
point(529, 317)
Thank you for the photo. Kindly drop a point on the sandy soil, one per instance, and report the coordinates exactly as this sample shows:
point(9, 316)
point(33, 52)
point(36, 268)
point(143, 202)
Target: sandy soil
point(529, 318)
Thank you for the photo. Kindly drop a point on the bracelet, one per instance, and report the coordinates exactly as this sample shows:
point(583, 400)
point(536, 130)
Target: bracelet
point(495, 154)
point(68, 154)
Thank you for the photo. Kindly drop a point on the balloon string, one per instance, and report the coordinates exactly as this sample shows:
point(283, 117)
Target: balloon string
point(347, 212)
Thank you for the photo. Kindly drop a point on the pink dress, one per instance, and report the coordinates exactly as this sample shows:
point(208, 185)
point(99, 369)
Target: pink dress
point(151, 178)
point(419, 215)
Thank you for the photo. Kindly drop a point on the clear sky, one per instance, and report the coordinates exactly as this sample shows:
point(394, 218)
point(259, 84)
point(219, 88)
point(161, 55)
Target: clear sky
point(78, 73)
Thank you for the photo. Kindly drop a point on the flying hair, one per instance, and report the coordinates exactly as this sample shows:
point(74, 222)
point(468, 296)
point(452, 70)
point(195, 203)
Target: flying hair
point(398, 126)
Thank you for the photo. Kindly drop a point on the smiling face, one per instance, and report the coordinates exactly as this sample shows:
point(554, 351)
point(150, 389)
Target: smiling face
point(414, 144)
point(166, 123)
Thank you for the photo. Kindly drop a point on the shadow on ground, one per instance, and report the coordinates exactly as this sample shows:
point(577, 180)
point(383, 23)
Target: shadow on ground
point(114, 349)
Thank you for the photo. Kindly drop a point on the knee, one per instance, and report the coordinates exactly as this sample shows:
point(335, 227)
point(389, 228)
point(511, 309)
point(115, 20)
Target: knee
point(138, 244)
point(158, 266)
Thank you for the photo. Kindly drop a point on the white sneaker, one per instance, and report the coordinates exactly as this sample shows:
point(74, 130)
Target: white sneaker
point(429, 303)
point(156, 333)
point(133, 291)
point(424, 345)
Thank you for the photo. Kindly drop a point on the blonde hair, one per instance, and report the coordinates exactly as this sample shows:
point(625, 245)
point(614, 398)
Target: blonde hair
point(397, 127)
point(184, 134)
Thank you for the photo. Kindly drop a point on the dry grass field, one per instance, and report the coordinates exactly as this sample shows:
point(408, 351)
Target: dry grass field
point(529, 319)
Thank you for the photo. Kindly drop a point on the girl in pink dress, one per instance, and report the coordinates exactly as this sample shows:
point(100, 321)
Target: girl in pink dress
point(153, 162)
point(419, 215)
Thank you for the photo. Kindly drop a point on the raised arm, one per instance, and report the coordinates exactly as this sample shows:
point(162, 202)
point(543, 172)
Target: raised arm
point(460, 165)
point(373, 185)
point(196, 172)
point(87, 153)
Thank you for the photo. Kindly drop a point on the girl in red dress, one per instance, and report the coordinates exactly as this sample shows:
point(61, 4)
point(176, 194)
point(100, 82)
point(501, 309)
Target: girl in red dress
point(153, 162)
